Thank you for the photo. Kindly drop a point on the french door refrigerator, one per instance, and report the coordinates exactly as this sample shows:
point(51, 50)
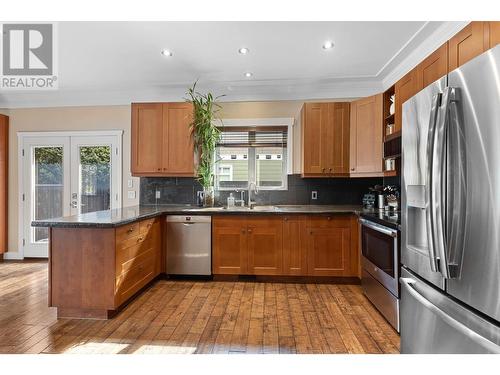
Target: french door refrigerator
point(450, 279)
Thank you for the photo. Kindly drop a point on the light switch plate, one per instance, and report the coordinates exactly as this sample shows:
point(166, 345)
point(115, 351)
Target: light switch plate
point(314, 194)
point(131, 194)
point(157, 194)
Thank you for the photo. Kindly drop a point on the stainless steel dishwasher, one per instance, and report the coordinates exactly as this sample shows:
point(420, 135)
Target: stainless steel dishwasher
point(189, 245)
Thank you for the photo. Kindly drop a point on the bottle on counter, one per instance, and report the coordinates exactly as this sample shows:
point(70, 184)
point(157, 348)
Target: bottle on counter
point(230, 201)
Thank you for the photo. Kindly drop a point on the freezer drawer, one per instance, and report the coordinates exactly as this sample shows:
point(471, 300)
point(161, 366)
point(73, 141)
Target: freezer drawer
point(431, 322)
point(384, 301)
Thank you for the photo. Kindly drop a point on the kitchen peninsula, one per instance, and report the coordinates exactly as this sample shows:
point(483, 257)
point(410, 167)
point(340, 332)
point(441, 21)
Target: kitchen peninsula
point(98, 261)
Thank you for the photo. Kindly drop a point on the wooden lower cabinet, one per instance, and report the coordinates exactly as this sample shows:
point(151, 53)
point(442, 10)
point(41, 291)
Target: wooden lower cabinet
point(294, 251)
point(229, 245)
point(296, 245)
point(265, 246)
point(92, 271)
point(330, 243)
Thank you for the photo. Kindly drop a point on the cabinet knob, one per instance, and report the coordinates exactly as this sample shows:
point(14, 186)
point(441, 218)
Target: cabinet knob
point(164, 169)
point(286, 219)
point(130, 230)
point(324, 169)
point(329, 218)
point(140, 239)
point(243, 231)
point(352, 169)
point(249, 230)
point(159, 169)
point(330, 170)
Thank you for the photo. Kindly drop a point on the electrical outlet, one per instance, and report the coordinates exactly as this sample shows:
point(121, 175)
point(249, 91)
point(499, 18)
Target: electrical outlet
point(314, 194)
point(131, 194)
point(157, 194)
point(130, 183)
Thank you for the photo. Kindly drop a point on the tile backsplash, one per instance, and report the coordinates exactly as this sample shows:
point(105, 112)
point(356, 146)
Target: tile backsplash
point(182, 190)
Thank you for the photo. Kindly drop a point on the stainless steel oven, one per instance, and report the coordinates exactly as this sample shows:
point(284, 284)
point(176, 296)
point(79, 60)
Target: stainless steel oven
point(380, 263)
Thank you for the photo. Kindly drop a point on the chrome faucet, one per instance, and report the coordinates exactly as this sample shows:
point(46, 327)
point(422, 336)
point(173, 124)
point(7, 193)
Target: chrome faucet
point(251, 204)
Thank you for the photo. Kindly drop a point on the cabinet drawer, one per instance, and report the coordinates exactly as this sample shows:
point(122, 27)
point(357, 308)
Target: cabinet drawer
point(145, 226)
point(126, 232)
point(128, 283)
point(328, 221)
point(126, 258)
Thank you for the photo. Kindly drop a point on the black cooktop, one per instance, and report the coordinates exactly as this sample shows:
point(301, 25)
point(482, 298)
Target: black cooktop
point(391, 219)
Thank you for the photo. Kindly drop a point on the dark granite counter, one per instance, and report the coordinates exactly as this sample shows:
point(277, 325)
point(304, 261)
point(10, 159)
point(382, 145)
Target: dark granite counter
point(117, 217)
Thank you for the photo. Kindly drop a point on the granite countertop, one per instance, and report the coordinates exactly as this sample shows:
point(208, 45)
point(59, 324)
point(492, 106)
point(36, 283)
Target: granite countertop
point(390, 219)
point(121, 216)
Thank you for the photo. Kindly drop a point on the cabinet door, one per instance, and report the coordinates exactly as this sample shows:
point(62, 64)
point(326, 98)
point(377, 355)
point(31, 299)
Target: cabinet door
point(229, 245)
point(294, 246)
point(147, 133)
point(366, 136)
point(491, 34)
point(265, 245)
point(405, 88)
point(179, 156)
point(329, 246)
point(466, 44)
point(314, 119)
point(337, 140)
point(433, 67)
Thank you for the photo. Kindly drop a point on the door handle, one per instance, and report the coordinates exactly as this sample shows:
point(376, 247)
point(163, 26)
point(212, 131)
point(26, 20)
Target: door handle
point(429, 206)
point(408, 283)
point(456, 186)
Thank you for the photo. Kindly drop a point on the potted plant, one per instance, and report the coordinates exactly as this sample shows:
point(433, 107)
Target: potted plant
point(205, 137)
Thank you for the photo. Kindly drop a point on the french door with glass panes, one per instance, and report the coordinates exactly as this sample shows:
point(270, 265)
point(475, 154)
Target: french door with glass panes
point(67, 175)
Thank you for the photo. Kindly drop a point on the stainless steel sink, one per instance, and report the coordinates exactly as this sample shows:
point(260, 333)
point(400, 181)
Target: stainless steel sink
point(234, 209)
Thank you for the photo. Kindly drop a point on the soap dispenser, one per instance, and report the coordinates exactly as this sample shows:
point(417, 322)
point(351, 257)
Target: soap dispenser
point(230, 201)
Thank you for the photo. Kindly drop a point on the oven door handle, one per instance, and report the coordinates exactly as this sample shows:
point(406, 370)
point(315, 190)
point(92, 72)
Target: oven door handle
point(379, 228)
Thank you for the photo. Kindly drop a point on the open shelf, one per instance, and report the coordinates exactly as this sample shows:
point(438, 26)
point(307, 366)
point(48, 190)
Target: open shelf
point(390, 173)
point(393, 156)
point(392, 136)
point(389, 119)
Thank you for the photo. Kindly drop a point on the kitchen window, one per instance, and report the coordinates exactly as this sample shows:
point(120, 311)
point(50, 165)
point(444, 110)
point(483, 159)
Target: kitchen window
point(252, 154)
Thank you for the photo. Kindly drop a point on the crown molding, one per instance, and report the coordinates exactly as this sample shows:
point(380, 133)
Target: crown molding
point(419, 52)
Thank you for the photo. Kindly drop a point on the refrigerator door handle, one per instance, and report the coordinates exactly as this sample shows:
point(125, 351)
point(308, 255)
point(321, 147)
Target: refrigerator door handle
point(438, 185)
point(436, 100)
point(456, 187)
point(407, 283)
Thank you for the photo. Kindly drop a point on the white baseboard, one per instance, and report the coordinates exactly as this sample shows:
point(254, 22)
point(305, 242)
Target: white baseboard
point(12, 256)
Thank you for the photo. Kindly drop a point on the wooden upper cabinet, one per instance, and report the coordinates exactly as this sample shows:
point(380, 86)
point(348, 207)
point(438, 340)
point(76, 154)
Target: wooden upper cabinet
point(147, 134)
point(433, 67)
point(294, 251)
point(325, 135)
point(265, 245)
point(314, 118)
point(161, 139)
point(229, 245)
point(466, 44)
point(491, 34)
point(366, 137)
point(177, 118)
point(338, 138)
point(405, 88)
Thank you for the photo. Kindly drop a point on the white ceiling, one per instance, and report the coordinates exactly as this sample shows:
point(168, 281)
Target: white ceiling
point(103, 63)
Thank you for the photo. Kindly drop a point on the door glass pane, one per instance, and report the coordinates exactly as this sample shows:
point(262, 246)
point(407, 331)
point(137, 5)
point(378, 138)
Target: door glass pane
point(48, 189)
point(95, 178)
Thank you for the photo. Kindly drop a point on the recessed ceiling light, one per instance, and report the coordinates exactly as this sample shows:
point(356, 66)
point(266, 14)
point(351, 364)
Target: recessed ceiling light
point(166, 52)
point(248, 74)
point(328, 44)
point(243, 51)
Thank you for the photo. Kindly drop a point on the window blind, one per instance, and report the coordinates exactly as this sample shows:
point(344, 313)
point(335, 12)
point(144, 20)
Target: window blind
point(268, 136)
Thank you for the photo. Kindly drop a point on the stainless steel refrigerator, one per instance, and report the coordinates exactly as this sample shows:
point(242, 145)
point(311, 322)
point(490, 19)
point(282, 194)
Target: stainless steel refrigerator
point(450, 279)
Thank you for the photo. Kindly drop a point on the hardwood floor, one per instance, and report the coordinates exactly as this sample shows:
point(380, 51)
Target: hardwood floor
point(196, 317)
